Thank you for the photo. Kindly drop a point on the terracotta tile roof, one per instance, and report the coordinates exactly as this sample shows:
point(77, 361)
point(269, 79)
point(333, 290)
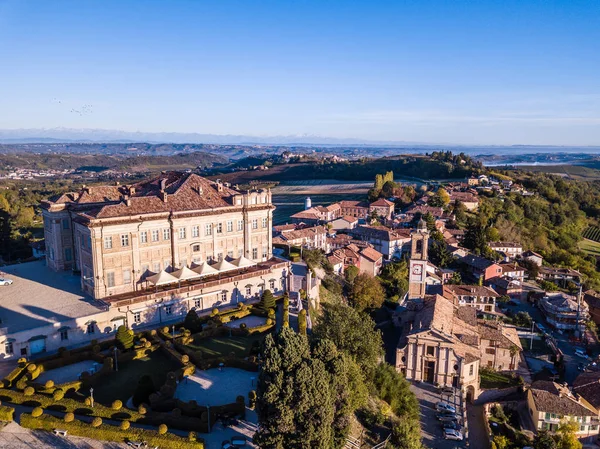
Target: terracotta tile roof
point(335, 260)
point(182, 192)
point(355, 204)
point(437, 212)
point(283, 228)
point(348, 218)
point(592, 298)
point(587, 385)
point(530, 253)
point(382, 202)
point(469, 290)
point(371, 253)
point(557, 271)
point(480, 263)
point(504, 336)
point(381, 232)
point(511, 267)
point(505, 245)
point(306, 233)
point(552, 398)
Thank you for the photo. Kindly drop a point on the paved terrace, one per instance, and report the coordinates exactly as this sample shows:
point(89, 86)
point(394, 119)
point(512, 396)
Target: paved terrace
point(194, 286)
point(40, 296)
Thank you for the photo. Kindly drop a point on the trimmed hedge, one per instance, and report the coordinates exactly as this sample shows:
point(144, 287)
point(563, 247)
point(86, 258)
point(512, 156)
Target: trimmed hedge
point(6, 413)
point(12, 377)
point(108, 432)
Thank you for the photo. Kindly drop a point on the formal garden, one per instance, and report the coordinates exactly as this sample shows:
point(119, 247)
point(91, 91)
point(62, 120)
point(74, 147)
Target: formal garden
point(181, 383)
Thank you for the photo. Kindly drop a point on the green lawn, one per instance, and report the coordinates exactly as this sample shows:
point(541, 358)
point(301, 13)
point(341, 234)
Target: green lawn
point(122, 384)
point(590, 247)
point(490, 379)
point(223, 346)
point(539, 346)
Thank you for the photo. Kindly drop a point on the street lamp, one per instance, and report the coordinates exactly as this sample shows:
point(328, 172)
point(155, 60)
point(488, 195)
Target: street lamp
point(92, 396)
point(531, 339)
point(116, 361)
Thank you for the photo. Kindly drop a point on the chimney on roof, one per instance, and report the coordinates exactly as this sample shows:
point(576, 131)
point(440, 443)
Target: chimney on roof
point(131, 190)
point(86, 189)
point(163, 184)
point(163, 196)
point(219, 186)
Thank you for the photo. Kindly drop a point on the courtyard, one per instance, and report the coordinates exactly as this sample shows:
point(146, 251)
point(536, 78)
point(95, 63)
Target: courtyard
point(222, 346)
point(216, 386)
point(122, 384)
point(249, 321)
point(68, 373)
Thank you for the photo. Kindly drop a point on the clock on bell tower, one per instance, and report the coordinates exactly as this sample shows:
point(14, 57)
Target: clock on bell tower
point(418, 261)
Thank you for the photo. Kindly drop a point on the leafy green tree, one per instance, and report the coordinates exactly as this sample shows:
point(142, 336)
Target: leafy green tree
point(456, 278)
point(544, 440)
point(124, 337)
point(441, 198)
point(501, 442)
point(267, 300)
point(475, 236)
point(567, 432)
point(352, 332)
point(394, 279)
point(366, 292)
point(350, 274)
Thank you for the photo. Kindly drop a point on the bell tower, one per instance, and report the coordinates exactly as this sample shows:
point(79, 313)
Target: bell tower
point(418, 261)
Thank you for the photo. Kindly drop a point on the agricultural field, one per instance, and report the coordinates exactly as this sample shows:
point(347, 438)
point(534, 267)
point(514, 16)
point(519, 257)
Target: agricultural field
point(590, 247)
point(592, 233)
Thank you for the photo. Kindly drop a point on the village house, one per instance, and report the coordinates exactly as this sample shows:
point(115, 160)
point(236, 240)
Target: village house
point(344, 223)
point(382, 208)
point(479, 297)
point(367, 259)
point(469, 200)
point(592, 299)
point(533, 257)
point(506, 286)
point(560, 276)
point(550, 403)
point(480, 268)
point(513, 270)
point(563, 311)
point(510, 249)
point(389, 242)
point(310, 238)
point(356, 209)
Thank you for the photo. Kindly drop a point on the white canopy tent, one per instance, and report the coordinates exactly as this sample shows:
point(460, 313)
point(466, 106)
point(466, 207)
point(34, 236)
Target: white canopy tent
point(243, 262)
point(222, 265)
point(204, 269)
point(185, 274)
point(161, 278)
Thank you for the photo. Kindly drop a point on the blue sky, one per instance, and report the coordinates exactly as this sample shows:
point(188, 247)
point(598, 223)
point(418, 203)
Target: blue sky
point(472, 72)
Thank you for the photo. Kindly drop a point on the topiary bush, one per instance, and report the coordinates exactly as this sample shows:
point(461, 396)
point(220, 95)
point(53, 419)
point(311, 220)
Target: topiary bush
point(31, 367)
point(142, 409)
point(162, 429)
point(192, 437)
point(49, 384)
point(252, 399)
point(58, 394)
point(125, 425)
point(87, 401)
point(117, 405)
point(28, 391)
point(37, 412)
point(96, 422)
point(243, 326)
point(185, 358)
point(269, 321)
point(124, 338)
point(267, 300)
point(69, 417)
point(214, 312)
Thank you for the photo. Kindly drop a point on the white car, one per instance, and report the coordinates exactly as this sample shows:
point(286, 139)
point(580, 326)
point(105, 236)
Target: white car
point(451, 434)
point(578, 352)
point(445, 407)
point(4, 281)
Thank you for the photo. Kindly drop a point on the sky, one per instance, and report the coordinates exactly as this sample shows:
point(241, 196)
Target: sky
point(462, 72)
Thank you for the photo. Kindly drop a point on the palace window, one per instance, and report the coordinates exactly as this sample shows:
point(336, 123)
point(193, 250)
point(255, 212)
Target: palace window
point(126, 276)
point(8, 347)
point(219, 228)
point(144, 237)
point(264, 222)
point(166, 234)
point(124, 240)
point(208, 229)
point(255, 253)
point(195, 231)
point(240, 225)
point(168, 310)
point(137, 317)
point(229, 226)
point(181, 233)
point(430, 350)
point(110, 279)
point(91, 328)
point(107, 242)
point(255, 223)
point(64, 335)
point(155, 234)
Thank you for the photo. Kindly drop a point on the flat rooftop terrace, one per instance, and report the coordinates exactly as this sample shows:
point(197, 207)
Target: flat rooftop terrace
point(40, 296)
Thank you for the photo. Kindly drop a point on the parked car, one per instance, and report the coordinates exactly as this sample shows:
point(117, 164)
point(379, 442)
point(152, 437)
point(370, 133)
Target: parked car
point(5, 281)
point(227, 445)
point(445, 407)
point(449, 418)
point(451, 434)
point(581, 353)
point(238, 441)
point(451, 425)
